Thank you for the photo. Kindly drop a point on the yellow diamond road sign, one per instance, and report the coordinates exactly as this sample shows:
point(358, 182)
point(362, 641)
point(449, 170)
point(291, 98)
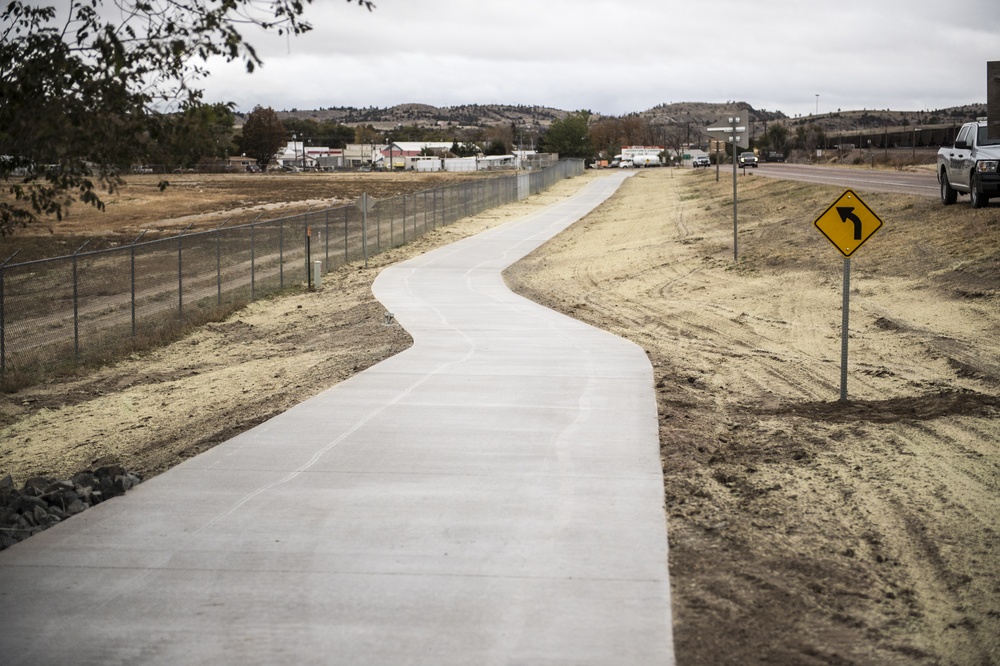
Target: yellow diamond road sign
point(848, 223)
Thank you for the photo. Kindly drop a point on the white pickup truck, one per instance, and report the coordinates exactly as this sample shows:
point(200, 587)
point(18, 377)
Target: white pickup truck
point(970, 166)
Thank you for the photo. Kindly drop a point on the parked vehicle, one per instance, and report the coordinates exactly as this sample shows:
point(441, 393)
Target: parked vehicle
point(970, 166)
point(701, 161)
point(748, 160)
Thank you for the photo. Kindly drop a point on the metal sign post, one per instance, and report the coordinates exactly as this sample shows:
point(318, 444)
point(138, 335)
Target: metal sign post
point(734, 134)
point(844, 328)
point(847, 223)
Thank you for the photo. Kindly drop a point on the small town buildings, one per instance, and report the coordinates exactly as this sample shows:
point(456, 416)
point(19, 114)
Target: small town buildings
point(298, 155)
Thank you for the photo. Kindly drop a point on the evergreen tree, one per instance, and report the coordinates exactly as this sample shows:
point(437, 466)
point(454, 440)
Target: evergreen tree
point(569, 137)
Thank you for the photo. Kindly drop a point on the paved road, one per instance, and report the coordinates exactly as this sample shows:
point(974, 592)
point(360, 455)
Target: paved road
point(863, 180)
point(491, 496)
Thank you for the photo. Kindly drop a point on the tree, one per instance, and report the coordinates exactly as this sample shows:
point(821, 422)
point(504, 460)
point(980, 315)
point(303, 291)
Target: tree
point(809, 137)
point(498, 136)
point(335, 135)
point(464, 149)
point(80, 94)
point(199, 133)
point(569, 137)
point(496, 148)
point(263, 135)
point(775, 138)
point(367, 134)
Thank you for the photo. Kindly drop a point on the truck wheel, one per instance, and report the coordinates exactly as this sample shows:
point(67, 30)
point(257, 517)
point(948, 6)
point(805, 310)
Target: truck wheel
point(948, 194)
point(977, 198)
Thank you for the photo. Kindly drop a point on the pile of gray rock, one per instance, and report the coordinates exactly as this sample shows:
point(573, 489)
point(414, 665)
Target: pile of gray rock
point(42, 502)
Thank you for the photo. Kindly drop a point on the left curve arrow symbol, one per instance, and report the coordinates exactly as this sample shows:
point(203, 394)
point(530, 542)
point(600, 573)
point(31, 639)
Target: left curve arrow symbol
point(847, 213)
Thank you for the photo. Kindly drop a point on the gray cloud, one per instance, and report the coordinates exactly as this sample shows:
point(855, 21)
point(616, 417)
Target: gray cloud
point(620, 56)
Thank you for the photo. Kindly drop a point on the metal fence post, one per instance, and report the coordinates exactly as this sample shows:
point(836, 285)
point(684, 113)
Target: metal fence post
point(281, 254)
point(326, 239)
point(253, 258)
point(132, 277)
point(218, 259)
point(180, 273)
point(76, 306)
point(364, 226)
point(3, 318)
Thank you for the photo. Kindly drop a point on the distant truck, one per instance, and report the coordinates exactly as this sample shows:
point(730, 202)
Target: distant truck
point(641, 156)
point(970, 166)
point(645, 161)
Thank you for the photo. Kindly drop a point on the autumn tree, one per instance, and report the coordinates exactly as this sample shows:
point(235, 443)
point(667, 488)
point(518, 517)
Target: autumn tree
point(497, 136)
point(367, 134)
point(263, 135)
point(80, 92)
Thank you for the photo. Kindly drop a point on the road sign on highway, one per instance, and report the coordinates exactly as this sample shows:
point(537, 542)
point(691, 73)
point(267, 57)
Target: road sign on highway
point(733, 131)
point(848, 223)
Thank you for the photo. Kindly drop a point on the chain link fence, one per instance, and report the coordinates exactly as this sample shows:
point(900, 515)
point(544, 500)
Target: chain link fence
point(97, 305)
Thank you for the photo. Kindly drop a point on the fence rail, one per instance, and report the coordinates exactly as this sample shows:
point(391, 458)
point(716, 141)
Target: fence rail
point(98, 304)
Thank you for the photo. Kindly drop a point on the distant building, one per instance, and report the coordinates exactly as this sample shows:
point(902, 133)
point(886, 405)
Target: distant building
point(396, 154)
point(241, 163)
point(361, 154)
point(297, 155)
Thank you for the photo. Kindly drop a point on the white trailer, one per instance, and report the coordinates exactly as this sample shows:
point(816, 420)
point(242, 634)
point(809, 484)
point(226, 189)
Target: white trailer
point(645, 160)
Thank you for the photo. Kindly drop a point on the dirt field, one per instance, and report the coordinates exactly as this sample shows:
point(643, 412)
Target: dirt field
point(802, 530)
point(206, 201)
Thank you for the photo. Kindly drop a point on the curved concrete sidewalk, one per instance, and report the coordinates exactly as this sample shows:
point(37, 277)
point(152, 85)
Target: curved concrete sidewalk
point(491, 496)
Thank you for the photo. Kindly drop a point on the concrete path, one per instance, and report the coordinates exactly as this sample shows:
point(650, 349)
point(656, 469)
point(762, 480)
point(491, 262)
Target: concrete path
point(491, 496)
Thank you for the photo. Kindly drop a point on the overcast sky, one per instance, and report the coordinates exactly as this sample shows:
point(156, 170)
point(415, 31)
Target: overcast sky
point(619, 56)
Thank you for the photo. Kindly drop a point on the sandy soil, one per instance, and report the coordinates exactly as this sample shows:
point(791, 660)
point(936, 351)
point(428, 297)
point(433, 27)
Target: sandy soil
point(802, 530)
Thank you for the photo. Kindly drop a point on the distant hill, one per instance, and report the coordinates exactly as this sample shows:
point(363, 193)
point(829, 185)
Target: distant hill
point(694, 115)
point(845, 122)
point(424, 115)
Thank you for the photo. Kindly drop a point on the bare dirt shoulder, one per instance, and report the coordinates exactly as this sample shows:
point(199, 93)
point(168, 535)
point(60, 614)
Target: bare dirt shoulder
point(803, 530)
